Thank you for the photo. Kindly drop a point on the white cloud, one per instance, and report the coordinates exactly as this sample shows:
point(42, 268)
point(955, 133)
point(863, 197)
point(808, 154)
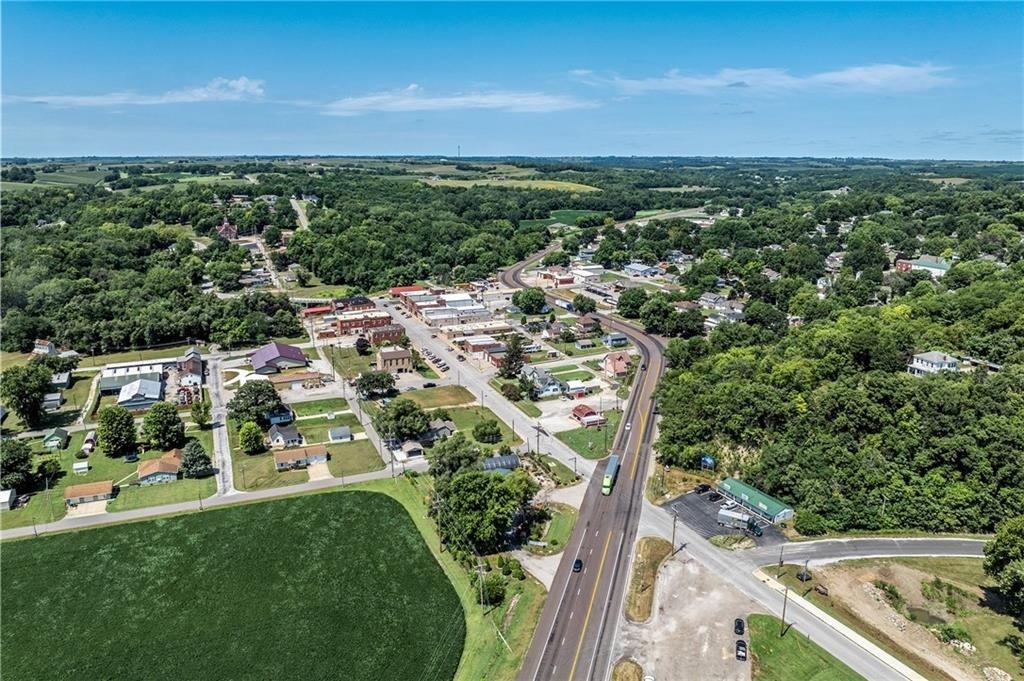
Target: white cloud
point(885, 78)
point(415, 98)
point(217, 90)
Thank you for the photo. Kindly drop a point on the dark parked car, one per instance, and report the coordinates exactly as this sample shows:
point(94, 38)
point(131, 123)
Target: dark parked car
point(701, 488)
point(741, 651)
point(714, 496)
point(461, 358)
point(429, 385)
point(737, 626)
point(577, 565)
point(643, 367)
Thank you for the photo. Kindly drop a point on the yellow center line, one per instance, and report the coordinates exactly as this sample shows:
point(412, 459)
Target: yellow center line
point(639, 444)
point(590, 606)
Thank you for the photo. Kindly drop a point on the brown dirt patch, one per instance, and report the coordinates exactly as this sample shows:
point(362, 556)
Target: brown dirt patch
point(627, 670)
point(650, 552)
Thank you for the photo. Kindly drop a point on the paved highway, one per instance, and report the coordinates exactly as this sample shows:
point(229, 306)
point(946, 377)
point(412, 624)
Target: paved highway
point(831, 550)
point(577, 626)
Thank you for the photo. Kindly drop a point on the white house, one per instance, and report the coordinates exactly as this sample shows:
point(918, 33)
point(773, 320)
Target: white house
point(932, 363)
point(284, 436)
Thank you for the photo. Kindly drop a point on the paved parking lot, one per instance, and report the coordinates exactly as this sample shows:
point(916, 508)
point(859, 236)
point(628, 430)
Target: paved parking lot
point(702, 515)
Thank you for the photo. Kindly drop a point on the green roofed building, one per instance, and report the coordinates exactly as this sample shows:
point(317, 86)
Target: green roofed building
point(769, 508)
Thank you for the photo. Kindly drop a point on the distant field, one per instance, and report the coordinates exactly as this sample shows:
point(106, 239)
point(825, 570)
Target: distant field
point(517, 184)
point(685, 189)
point(70, 177)
point(337, 585)
point(948, 180)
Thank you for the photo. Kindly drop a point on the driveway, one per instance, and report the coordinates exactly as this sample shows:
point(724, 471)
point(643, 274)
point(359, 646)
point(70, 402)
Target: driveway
point(87, 509)
point(702, 515)
point(319, 471)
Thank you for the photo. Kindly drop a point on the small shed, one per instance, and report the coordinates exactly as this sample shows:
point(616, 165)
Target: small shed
point(52, 401)
point(55, 439)
point(494, 463)
point(6, 499)
point(340, 434)
point(80, 467)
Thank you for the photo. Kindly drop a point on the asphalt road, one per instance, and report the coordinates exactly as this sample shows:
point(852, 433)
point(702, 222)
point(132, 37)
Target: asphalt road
point(830, 550)
point(580, 616)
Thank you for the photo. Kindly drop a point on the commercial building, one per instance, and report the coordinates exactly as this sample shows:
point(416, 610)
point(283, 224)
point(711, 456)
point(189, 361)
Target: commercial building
point(755, 501)
point(116, 376)
point(394, 360)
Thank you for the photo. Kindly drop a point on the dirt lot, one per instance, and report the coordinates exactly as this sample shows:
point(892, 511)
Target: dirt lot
point(689, 636)
point(854, 586)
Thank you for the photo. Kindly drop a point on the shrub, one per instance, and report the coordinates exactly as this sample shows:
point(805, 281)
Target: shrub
point(519, 574)
point(953, 632)
point(810, 523)
point(891, 593)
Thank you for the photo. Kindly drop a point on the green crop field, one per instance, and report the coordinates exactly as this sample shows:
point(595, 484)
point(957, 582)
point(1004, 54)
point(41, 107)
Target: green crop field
point(295, 588)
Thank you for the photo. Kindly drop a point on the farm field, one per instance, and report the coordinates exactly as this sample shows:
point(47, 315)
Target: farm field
point(793, 656)
point(590, 442)
point(516, 184)
point(320, 589)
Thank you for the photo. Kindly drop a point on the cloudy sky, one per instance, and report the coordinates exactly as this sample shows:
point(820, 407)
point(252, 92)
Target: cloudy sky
point(896, 80)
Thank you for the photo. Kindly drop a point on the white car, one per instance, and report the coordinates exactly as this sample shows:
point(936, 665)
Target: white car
point(628, 425)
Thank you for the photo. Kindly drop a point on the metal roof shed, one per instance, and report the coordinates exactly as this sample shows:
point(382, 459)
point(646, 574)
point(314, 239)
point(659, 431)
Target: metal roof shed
point(766, 506)
point(495, 462)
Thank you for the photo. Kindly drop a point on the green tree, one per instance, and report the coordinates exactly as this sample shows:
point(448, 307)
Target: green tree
point(250, 438)
point(362, 346)
point(1011, 584)
point(195, 462)
point(200, 413)
point(272, 235)
point(493, 590)
point(630, 302)
point(584, 304)
point(375, 383)
point(15, 464)
point(487, 431)
point(511, 392)
point(1006, 547)
point(253, 401)
point(514, 359)
point(529, 300)
point(656, 314)
point(452, 456)
point(401, 419)
point(162, 427)
point(22, 389)
point(116, 431)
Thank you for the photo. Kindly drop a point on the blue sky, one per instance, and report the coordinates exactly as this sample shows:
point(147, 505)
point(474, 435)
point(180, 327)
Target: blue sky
point(895, 80)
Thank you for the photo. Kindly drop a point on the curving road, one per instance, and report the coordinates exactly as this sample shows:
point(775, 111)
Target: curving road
point(577, 626)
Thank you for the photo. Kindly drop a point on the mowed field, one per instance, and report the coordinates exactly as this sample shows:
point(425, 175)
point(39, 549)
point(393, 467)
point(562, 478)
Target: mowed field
point(517, 184)
point(328, 586)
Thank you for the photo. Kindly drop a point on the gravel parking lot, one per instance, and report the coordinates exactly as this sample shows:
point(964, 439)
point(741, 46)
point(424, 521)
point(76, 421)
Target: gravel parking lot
point(690, 635)
point(702, 515)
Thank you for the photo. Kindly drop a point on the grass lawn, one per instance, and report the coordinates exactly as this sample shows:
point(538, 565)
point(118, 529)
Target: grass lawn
point(349, 458)
point(186, 489)
point(467, 417)
point(590, 442)
point(349, 363)
point(137, 355)
point(650, 552)
point(578, 375)
point(792, 656)
point(425, 371)
point(525, 406)
point(441, 396)
point(561, 473)
point(566, 217)
point(516, 184)
point(10, 359)
point(292, 340)
point(257, 471)
point(322, 575)
point(571, 350)
point(558, 530)
point(319, 406)
point(315, 430)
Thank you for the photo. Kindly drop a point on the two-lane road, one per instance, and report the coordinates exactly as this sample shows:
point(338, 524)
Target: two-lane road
point(574, 634)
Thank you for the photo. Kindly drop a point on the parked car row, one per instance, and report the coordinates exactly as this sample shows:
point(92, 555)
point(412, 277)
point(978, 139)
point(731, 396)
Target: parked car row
point(738, 628)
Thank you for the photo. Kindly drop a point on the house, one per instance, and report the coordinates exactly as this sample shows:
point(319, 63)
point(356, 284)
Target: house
point(770, 274)
point(834, 261)
point(164, 469)
point(545, 385)
point(227, 230)
point(588, 416)
point(300, 458)
point(311, 198)
point(6, 499)
point(394, 360)
point(284, 436)
point(588, 324)
point(190, 368)
point(44, 347)
point(55, 439)
point(614, 339)
point(714, 321)
point(61, 380)
point(411, 448)
point(140, 394)
point(89, 443)
point(932, 363)
point(52, 401)
point(615, 364)
point(635, 269)
point(584, 343)
point(274, 357)
point(686, 305)
point(931, 264)
point(382, 334)
point(712, 301)
point(554, 330)
point(340, 434)
point(440, 429)
point(279, 414)
point(89, 491)
point(576, 389)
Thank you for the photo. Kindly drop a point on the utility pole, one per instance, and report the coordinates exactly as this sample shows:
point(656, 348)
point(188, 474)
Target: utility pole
point(675, 519)
point(780, 560)
point(34, 530)
point(785, 601)
point(200, 501)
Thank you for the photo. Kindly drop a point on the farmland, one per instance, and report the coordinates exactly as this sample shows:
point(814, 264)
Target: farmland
point(558, 185)
point(321, 589)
